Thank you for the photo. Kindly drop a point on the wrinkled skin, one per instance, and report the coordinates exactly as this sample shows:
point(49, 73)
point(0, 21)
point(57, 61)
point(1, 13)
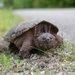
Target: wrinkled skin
point(44, 40)
point(24, 43)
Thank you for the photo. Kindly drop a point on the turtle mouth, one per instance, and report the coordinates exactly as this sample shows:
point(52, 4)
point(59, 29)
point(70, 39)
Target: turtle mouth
point(46, 43)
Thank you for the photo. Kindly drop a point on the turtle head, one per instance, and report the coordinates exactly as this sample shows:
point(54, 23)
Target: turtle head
point(46, 40)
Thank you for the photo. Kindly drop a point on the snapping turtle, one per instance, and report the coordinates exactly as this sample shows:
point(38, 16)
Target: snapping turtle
point(40, 34)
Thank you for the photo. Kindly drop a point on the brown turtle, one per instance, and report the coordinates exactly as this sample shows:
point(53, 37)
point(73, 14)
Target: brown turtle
point(40, 34)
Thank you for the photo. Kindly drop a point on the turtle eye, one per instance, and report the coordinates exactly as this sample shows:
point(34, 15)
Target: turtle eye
point(52, 37)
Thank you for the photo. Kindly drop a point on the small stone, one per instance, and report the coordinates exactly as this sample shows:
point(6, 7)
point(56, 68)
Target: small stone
point(32, 73)
point(51, 72)
point(9, 73)
point(63, 65)
point(3, 45)
point(73, 62)
point(41, 65)
point(69, 68)
point(33, 68)
point(27, 67)
point(70, 53)
point(38, 57)
point(36, 66)
point(42, 73)
point(26, 73)
point(73, 70)
point(33, 57)
point(50, 66)
point(67, 54)
point(14, 74)
point(57, 64)
point(74, 73)
point(54, 54)
point(60, 73)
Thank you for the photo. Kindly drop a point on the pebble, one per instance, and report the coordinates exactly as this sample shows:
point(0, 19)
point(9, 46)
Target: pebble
point(3, 45)
point(50, 66)
point(42, 73)
point(32, 73)
point(51, 72)
point(31, 55)
point(34, 57)
point(74, 73)
point(33, 68)
point(14, 74)
point(73, 70)
point(27, 67)
point(73, 62)
point(36, 66)
point(69, 68)
point(70, 53)
point(57, 64)
point(41, 65)
point(60, 73)
point(26, 73)
point(63, 65)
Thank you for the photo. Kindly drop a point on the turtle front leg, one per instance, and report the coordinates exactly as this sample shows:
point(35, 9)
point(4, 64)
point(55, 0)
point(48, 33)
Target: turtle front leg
point(59, 40)
point(25, 49)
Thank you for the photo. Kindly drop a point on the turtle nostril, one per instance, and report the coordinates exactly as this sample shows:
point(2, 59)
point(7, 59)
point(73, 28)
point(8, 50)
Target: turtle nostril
point(50, 37)
point(44, 38)
point(47, 38)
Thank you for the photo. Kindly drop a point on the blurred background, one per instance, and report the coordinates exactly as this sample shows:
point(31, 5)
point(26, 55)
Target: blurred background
point(59, 12)
point(19, 4)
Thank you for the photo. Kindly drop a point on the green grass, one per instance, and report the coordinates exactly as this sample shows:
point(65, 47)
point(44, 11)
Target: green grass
point(7, 20)
point(6, 62)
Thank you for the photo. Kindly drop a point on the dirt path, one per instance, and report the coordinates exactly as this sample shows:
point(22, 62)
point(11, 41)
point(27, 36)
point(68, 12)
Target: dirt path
point(63, 18)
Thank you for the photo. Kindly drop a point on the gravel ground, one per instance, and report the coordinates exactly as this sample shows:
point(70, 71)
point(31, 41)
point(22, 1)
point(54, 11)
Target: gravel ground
point(55, 63)
point(59, 61)
point(63, 18)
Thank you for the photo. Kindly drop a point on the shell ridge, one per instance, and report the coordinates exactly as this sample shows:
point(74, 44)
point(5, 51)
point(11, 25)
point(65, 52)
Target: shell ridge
point(22, 27)
point(17, 28)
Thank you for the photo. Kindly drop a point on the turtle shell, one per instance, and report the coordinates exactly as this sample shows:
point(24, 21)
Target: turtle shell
point(22, 27)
